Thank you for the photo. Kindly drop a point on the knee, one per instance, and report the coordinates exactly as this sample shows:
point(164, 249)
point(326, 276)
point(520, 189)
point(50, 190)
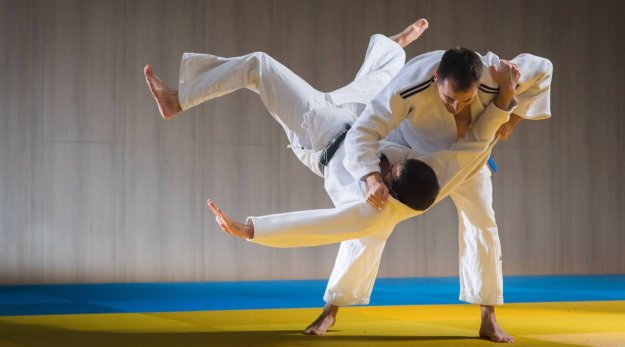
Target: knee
point(261, 61)
point(261, 57)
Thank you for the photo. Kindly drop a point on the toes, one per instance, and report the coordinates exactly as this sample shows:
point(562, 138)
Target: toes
point(311, 331)
point(213, 207)
point(147, 71)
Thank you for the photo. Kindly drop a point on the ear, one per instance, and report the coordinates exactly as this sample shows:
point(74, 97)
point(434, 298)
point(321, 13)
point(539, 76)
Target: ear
point(436, 76)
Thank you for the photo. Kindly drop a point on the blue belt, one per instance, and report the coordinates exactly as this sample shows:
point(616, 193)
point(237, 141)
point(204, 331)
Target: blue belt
point(492, 164)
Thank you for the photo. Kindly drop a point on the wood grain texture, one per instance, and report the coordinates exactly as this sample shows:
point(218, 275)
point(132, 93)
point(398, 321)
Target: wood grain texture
point(95, 186)
point(83, 211)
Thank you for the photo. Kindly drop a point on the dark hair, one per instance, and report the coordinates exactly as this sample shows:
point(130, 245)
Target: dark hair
point(462, 66)
point(416, 186)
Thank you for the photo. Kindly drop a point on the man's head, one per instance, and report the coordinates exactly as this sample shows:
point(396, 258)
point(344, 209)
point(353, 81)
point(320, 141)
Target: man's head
point(412, 182)
point(458, 77)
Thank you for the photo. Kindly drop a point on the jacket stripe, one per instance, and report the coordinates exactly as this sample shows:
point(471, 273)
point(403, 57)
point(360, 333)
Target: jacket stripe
point(489, 91)
point(418, 86)
point(416, 91)
point(488, 88)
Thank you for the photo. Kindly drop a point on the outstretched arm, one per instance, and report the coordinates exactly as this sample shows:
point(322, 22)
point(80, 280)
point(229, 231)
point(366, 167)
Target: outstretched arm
point(315, 227)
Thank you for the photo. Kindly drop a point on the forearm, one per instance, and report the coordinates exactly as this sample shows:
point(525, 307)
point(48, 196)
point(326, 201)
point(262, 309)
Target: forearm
point(504, 98)
point(515, 119)
point(489, 122)
point(362, 141)
point(361, 152)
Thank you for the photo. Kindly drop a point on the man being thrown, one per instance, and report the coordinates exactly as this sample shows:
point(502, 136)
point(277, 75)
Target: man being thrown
point(311, 120)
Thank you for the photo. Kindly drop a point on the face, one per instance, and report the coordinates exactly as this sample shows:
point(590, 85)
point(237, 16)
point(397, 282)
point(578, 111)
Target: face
point(393, 173)
point(453, 100)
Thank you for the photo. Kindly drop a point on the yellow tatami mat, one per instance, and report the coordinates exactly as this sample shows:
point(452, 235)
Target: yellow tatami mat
point(536, 324)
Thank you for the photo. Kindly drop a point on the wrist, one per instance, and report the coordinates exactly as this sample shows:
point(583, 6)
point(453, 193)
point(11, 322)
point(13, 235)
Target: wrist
point(507, 91)
point(503, 100)
point(515, 119)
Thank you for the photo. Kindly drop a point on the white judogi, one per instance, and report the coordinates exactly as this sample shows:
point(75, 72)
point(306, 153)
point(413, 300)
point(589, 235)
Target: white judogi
point(310, 119)
point(410, 105)
point(363, 229)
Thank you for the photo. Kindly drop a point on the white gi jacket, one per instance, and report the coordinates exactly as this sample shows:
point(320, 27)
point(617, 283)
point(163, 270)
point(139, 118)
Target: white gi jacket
point(410, 104)
point(409, 111)
point(353, 218)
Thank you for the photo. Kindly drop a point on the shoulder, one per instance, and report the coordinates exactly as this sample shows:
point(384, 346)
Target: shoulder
point(418, 74)
point(416, 88)
point(487, 83)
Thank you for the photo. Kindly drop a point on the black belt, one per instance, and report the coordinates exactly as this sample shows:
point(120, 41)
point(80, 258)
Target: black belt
point(331, 148)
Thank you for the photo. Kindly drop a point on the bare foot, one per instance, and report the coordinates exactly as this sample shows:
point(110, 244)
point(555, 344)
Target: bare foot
point(411, 33)
point(324, 322)
point(166, 98)
point(227, 224)
point(490, 329)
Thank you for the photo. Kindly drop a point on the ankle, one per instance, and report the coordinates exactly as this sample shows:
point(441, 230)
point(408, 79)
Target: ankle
point(487, 313)
point(330, 309)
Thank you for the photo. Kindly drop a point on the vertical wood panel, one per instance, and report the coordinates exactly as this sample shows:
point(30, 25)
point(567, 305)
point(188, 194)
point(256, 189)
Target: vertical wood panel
point(84, 67)
point(20, 142)
point(163, 160)
point(83, 203)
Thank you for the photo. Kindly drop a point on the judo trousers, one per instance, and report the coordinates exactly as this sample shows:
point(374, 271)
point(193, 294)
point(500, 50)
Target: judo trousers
point(309, 119)
point(480, 262)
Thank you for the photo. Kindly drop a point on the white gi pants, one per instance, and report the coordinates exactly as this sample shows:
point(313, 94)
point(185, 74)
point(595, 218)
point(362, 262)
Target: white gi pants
point(310, 118)
point(481, 281)
point(481, 277)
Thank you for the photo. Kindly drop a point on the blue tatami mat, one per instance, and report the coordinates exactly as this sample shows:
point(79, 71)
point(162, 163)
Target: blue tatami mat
point(174, 297)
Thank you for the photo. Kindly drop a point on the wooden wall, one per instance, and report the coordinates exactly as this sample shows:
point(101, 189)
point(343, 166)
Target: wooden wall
point(95, 187)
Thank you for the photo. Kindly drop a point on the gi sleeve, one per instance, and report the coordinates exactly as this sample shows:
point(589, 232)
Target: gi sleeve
point(327, 226)
point(533, 92)
point(383, 114)
point(491, 119)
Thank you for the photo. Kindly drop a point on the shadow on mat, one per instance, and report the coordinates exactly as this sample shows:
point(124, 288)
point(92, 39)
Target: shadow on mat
point(41, 335)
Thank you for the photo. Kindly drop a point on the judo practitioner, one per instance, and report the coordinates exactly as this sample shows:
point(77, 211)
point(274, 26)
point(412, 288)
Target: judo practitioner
point(430, 104)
